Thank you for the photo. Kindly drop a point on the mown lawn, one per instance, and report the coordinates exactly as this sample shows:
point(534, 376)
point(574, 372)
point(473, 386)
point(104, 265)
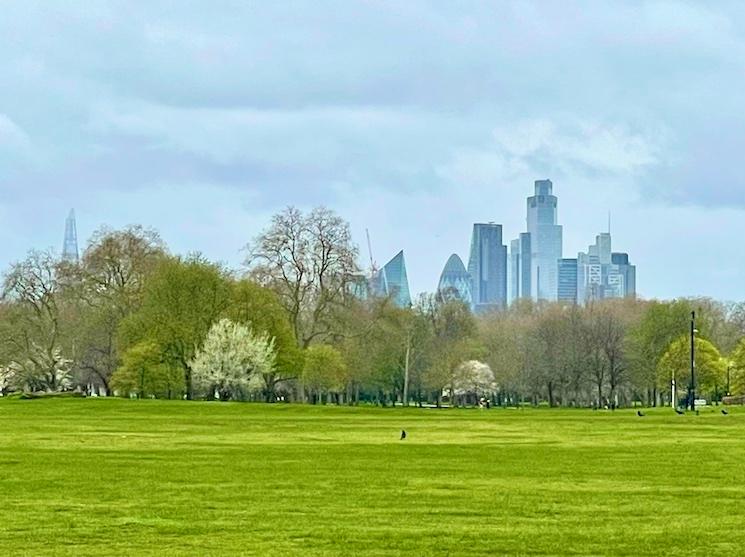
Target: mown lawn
point(114, 477)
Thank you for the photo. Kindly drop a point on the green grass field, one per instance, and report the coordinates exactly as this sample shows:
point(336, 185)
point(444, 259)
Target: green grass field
point(115, 477)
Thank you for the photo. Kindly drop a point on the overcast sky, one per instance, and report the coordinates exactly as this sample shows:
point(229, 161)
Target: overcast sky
point(413, 119)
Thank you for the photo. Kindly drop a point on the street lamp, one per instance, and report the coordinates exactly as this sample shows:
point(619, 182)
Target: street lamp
point(692, 387)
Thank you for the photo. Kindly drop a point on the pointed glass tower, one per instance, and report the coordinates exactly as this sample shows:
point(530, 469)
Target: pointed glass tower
point(70, 244)
point(392, 281)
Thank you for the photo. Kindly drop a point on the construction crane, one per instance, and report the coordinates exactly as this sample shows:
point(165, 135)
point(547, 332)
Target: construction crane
point(373, 266)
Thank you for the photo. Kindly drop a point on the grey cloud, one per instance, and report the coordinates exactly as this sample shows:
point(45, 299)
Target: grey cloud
point(418, 104)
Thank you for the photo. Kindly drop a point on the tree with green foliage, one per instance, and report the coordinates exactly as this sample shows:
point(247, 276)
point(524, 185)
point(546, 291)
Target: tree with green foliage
point(737, 369)
point(711, 368)
point(108, 286)
point(259, 307)
point(324, 371)
point(181, 300)
point(648, 340)
point(145, 373)
point(233, 361)
point(380, 347)
point(717, 321)
point(454, 340)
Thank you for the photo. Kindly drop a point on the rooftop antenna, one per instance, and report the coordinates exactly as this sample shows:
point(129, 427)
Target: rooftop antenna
point(609, 223)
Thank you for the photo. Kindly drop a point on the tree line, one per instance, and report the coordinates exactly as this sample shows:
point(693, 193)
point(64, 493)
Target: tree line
point(131, 319)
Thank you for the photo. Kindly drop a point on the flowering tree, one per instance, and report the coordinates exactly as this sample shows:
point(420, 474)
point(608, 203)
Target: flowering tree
point(42, 370)
point(474, 377)
point(233, 361)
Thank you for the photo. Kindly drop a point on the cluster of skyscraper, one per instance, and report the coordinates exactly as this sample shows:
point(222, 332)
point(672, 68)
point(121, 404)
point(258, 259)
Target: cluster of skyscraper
point(536, 268)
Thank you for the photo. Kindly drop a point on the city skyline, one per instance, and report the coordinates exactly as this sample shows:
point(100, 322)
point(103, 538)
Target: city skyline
point(629, 107)
point(496, 276)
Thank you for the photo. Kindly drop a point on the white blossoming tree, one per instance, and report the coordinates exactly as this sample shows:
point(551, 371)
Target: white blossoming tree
point(43, 370)
point(6, 379)
point(233, 361)
point(474, 378)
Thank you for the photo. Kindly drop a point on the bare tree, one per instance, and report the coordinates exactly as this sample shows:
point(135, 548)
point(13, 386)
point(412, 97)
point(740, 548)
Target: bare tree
point(611, 333)
point(550, 362)
point(34, 292)
point(309, 261)
point(594, 345)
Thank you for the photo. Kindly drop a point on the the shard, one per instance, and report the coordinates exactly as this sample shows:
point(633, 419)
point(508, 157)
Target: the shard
point(70, 244)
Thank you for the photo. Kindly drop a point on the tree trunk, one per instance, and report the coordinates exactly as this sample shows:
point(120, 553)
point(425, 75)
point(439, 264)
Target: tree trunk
point(406, 372)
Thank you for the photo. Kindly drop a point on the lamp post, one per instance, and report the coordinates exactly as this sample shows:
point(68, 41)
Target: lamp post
point(692, 387)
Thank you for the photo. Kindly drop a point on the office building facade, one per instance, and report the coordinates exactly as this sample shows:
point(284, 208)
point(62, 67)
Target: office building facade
point(603, 274)
point(567, 289)
point(487, 266)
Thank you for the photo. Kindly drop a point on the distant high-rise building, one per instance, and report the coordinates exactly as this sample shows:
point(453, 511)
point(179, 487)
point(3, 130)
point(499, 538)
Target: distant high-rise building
point(487, 266)
point(455, 282)
point(514, 270)
point(520, 267)
point(603, 274)
point(70, 244)
point(621, 262)
point(392, 281)
point(567, 281)
point(545, 241)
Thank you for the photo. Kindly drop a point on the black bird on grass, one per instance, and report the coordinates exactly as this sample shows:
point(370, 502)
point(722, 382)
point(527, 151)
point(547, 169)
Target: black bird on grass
point(679, 412)
point(403, 434)
point(724, 412)
point(640, 413)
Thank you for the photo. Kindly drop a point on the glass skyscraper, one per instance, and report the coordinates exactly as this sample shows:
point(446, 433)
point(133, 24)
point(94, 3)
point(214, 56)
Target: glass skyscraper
point(70, 244)
point(567, 281)
point(393, 281)
point(487, 266)
point(520, 271)
point(546, 241)
point(603, 274)
point(455, 282)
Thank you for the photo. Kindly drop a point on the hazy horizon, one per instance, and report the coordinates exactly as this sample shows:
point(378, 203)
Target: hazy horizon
point(412, 120)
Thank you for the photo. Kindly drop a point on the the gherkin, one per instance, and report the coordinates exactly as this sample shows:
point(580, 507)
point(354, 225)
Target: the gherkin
point(455, 281)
